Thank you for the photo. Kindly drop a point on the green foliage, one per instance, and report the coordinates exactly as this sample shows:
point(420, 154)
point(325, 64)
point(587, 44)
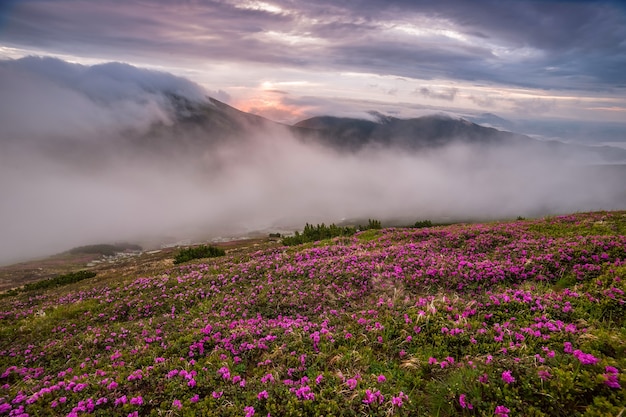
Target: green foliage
point(373, 224)
point(275, 235)
point(423, 223)
point(319, 232)
point(198, 252)
point(369, 235)
point(60, 280)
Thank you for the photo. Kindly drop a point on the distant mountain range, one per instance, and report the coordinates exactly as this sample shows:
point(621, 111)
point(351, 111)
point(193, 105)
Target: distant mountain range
point(219, 122)
point(197, 128)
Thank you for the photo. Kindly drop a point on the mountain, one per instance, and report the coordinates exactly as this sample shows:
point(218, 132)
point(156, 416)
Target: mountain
point(415, 134)
point(493, 120)
point(436, 131)
point(195, 130)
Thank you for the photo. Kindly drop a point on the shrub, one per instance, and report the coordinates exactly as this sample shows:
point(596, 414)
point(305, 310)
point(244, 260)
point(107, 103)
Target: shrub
point(198, 252)
point(373, 224)
point(319, 232)
point(422, 223)
point(59, 280)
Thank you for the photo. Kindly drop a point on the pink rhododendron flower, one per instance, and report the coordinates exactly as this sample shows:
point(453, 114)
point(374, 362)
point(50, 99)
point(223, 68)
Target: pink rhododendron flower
point(502, 411)
point(351, 383)
point(507, 377)
point(463, 402)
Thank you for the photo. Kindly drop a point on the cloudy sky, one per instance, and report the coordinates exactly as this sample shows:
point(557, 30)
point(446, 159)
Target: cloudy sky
point(289, 59)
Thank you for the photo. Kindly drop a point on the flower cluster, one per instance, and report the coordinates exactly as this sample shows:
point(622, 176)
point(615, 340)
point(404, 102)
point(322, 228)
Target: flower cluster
point(481, 319)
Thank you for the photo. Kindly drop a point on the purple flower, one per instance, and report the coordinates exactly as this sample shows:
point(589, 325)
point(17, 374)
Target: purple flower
point(351, 383)
point(122, 400)
point(217, 395)
point(399, 400)
point(611, 381)
point(464, 403)
point(502, 411)
point(195, 398)
point(585, 358)
point(262, 395)
point(373, 397)
point(381, 378)
point(177, 404)
point(507, 377)
point(136, 400)
point(544, 374)
point(610, 377)
point(249, 411)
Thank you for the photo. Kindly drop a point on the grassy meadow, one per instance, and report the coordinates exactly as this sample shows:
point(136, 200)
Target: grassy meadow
point(520, 318)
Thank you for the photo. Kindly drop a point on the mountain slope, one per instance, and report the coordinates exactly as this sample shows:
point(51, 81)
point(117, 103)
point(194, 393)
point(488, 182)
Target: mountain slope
point(415, 134)
point(429, 132)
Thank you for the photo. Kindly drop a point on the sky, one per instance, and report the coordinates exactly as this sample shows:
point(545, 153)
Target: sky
point(290, 59)
point(87, 154)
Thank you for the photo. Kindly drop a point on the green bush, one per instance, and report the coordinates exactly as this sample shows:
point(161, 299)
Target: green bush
point(319, 232)
point(373, 224)
point(198, 252)
point(59, 280)
point(423, 223)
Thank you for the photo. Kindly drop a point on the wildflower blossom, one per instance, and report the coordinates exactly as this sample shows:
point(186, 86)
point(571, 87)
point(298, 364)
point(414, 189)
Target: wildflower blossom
point(507, 377)
point(373, 397)
point(399, 400)
point(611, 377)
point(585, 358)
point(463, 402)
point(502, 411)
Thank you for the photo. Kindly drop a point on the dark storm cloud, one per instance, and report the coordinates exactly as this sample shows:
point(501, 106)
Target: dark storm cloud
point(546, 44)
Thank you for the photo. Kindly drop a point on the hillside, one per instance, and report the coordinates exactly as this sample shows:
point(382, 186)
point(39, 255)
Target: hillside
point(511, 318)
point(438, 131)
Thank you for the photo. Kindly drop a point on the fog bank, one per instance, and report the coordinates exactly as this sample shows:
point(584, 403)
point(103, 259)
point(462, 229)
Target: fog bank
point(263, 181)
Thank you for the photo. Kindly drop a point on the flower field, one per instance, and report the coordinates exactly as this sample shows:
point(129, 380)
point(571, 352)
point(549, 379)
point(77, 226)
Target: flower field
point(502, 319)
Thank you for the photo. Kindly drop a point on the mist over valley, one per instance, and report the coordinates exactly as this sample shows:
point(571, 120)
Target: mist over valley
point(112, 152)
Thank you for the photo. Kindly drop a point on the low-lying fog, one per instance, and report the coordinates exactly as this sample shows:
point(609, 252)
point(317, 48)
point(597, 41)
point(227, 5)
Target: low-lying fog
point(66, 178)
